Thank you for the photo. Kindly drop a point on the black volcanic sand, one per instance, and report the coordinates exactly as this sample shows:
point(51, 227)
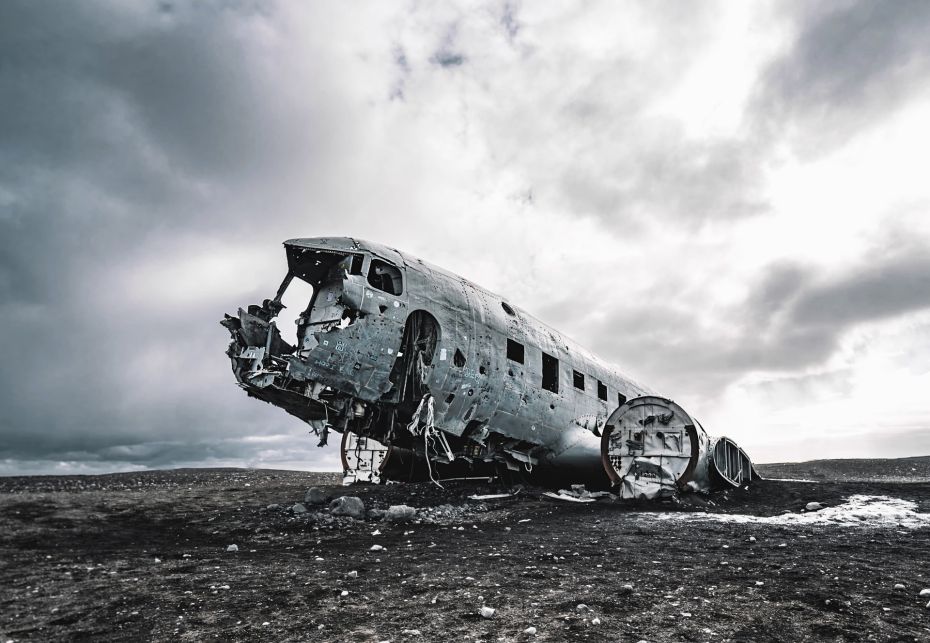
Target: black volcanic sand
point(142, 556)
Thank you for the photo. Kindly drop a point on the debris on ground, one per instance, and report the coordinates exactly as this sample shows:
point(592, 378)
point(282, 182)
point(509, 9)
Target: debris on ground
point(351, 506)
point(400, 513)
point(562, 495)
point(492, 496)
point(317, 496)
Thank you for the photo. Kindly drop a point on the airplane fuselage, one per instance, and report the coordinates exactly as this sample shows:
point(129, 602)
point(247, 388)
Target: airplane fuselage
point(417, 366)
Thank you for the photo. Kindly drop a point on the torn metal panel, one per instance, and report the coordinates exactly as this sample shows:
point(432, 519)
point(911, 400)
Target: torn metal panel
point(428, 375)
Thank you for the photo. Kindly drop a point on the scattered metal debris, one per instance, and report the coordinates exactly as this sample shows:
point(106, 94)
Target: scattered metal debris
point(563, 496)
point(493, 496)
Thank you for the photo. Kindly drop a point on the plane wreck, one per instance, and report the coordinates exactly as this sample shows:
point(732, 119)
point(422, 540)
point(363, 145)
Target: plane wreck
point(426, 375)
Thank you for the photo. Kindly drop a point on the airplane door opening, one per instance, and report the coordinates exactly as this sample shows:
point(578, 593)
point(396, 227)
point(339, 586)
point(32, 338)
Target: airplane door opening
point(421, 336)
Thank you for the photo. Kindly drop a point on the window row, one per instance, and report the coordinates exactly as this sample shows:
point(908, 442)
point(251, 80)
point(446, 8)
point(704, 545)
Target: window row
point(550, 372)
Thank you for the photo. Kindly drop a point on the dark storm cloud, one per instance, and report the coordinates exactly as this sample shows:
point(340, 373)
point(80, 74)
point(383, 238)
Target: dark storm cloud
point(793, 318)
point(119, 122)
point(851, 63)
point(880, 289)
point(128, 128)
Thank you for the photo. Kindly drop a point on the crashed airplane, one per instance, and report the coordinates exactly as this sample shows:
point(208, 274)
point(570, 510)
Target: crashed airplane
point(427, 375)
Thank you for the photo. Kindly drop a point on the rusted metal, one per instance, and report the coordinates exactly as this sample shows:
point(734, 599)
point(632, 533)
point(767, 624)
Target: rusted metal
point(424, 371)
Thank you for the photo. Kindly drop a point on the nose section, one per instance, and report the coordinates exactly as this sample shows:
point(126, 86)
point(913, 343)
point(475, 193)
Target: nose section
point(258, 356)
point(255, 337)
point(256, 349)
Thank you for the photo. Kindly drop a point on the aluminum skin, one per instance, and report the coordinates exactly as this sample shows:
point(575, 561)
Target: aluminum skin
point(428, 375)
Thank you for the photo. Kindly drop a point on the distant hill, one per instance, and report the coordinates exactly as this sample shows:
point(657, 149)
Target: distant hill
point(916, 469)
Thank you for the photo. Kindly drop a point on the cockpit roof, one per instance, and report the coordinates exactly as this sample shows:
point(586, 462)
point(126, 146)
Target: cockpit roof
point(344, 245)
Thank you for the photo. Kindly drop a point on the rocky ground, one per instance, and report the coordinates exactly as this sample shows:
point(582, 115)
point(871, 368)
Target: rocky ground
point(145, 556)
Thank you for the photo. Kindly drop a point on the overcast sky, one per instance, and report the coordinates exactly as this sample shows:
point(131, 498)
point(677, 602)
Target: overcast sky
point(728, 200)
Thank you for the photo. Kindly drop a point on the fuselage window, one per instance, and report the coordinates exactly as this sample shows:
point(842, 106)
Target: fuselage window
point(515, 351)
point(601, 391)
point(550, 373)
point(578, 380)
point(385, 277)
point(621, 398)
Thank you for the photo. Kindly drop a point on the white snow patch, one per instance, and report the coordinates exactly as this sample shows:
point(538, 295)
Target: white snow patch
point(857, 511)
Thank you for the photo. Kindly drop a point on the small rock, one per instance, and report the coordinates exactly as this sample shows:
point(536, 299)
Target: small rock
point(783, 545)
point(272, 506)
point(486, 612)
point(317, 496)
point(400, 513)
point(411, 632)
point(581, 607)
point(233, 548)
point(376, 532)
point(627, 589)
point(266, 624)
point(924, 592)
point(530, 630)
point(752, 539)
point(376, 548)
point(299, 508)
point(813, 506)
point(344, 593)
point(352, 574)
point(899, 585)
point(595, 621)
point(351, 506)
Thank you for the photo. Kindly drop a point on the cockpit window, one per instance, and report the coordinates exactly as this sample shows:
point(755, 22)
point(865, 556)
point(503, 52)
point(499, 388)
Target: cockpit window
point(385, 277)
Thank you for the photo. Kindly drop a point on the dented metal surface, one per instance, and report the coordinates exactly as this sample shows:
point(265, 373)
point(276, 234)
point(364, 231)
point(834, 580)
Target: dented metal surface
point(427, 375)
